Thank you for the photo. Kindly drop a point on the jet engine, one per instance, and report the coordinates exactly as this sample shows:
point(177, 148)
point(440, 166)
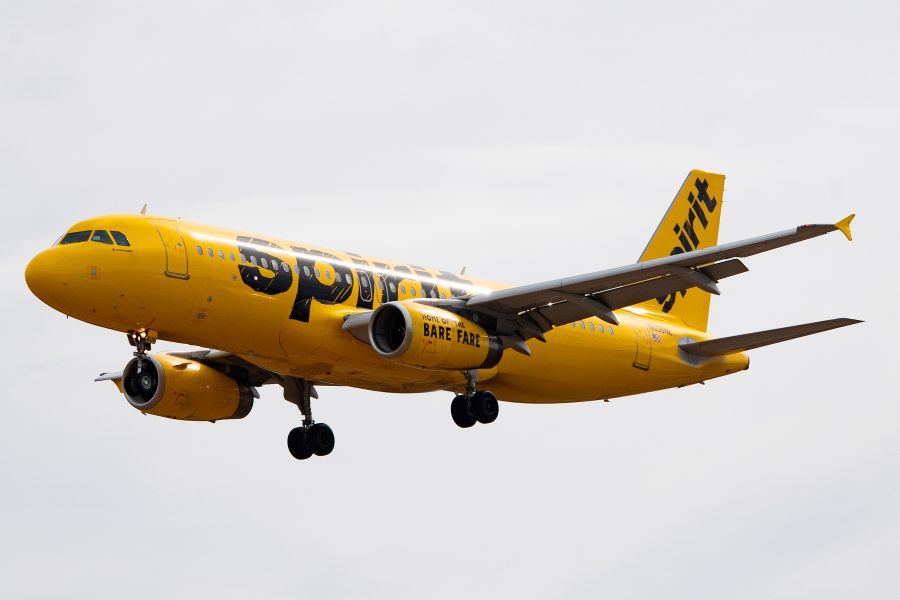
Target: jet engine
point(181, 388)
point(425, 336)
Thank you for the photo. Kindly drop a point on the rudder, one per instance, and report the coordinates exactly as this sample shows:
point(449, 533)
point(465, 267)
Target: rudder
point(690, 223)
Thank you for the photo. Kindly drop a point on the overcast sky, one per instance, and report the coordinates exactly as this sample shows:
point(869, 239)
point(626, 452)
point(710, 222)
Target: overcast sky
point(525, 142)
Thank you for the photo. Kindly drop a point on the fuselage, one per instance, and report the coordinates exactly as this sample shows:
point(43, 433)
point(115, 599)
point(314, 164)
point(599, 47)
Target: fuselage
point(281, 305)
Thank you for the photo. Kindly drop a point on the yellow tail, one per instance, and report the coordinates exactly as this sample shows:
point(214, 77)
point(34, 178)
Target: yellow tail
point(691, 223)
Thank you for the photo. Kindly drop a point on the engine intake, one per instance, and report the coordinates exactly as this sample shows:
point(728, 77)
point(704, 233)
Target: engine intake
point(433, 338)
point(181, 388)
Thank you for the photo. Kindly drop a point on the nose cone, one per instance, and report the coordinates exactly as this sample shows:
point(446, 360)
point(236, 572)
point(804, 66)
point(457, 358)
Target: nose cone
point(46, 275)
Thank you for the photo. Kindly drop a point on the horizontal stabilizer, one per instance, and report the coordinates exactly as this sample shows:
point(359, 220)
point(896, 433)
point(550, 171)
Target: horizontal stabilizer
point(749, 341)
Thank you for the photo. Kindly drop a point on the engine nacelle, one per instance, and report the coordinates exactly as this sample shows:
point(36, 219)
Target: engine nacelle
point(433, 338)
point(181, 388)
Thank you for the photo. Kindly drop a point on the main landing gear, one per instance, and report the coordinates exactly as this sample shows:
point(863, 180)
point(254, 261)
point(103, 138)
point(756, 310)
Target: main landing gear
point(474, 406)
point(311, 437)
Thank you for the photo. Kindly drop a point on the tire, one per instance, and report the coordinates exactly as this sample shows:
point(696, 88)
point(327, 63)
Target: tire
point(321, 439)
point(297, 445)
point(485, 407)
point(461, 411)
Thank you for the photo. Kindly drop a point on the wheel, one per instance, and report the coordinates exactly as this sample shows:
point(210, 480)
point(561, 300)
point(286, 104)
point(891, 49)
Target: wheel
point(321, 439)
point(461, 411)
point(485, 407)
point(297, 444)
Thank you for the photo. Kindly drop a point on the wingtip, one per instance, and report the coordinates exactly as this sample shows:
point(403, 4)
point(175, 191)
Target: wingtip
point(844, 226)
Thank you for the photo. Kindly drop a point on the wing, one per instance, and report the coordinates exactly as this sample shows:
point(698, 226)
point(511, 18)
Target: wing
point(528, 311)
point(749, 341)
point(241, 370)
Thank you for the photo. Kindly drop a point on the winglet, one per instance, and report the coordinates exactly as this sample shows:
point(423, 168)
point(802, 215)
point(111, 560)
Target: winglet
point(844, 226)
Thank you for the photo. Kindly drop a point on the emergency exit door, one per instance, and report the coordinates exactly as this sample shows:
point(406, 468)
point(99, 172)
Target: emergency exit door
point(643, 349)
point(176, 253)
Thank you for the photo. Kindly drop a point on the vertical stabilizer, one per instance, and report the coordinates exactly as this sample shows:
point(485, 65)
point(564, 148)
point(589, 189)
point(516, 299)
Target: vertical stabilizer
point(691, 223)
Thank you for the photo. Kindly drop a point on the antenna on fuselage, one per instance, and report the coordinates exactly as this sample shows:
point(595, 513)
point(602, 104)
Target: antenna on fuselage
point(144, 210)
point(463, 272)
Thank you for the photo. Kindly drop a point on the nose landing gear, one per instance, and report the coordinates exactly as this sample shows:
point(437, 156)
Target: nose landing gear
point(474, 406)
point(311, 437)
point(142, 342)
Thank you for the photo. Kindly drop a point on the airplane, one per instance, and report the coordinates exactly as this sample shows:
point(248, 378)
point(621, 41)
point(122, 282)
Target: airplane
point(274, 312)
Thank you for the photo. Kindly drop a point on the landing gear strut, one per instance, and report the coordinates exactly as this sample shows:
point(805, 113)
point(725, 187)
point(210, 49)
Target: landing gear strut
point(474, 406)
point(142, 342)
point(311, 437)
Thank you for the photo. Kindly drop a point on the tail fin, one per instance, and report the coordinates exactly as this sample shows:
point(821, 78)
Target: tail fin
point(691, 223)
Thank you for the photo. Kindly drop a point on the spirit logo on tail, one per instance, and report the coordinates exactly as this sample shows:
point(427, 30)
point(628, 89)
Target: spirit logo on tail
point(687, 231)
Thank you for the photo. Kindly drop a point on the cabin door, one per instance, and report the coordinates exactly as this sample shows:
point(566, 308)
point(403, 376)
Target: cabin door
point(176, 253)
point(643, 348)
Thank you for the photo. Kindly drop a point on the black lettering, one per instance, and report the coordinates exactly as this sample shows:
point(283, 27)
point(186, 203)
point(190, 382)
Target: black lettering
point(385, 278)
point(704, 196)
point(450, 279)
point(310, 288)
point(252, 276)
point(429, 288)
point(668, 301)
point(366, 282)
point(697, 209)
point(689, 228)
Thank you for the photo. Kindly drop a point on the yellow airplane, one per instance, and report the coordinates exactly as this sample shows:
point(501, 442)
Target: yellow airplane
point(301, 316)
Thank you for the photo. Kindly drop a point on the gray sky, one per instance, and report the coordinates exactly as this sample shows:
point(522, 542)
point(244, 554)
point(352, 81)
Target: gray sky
point(525, 142)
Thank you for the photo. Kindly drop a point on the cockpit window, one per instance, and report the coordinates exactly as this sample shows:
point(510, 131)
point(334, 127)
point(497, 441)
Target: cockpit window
point(120, 238)
point(102, 237)
point(75, 237)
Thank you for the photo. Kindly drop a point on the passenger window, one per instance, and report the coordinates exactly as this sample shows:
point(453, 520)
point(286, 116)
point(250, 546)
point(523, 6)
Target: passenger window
point(610, 330)
point(348, 279)
point(264, 262)
point(599, 327)
point(582, 324)
point(363, 282)
point(328, 275)
point(275, 265)
point(393, 287)
point(102, 237)
point(253, 260)
point(306, 271)
point(199, 250)
point(120, 238)
point(221, 255)
point(591, 325)
point(402, 289)
point(75, 237)
point(231, 256)
point(285, 267)
point(243, 258)
point(318, 274)
point(412, 291)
